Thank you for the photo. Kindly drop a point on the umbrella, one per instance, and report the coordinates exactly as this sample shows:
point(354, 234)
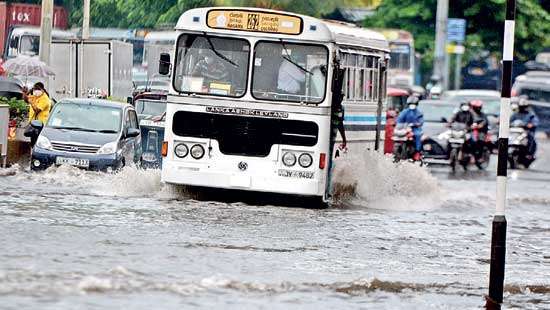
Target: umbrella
point(10, 85)
point(27, 66)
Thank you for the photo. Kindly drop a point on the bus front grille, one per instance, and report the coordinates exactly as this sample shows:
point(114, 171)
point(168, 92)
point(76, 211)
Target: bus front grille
point(243, 135)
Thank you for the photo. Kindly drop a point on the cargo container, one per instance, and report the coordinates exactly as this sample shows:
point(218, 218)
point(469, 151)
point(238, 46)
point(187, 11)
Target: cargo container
point(91, 67)
point(13, 15)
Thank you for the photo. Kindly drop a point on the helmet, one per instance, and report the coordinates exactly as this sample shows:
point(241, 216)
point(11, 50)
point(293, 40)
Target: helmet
point(476, 104)
point(523, 102)
point(412, 100)
point(464, 106)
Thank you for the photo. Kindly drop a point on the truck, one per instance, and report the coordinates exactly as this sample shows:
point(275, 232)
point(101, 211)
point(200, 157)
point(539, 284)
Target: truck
point(15, 15)
point(85, 68)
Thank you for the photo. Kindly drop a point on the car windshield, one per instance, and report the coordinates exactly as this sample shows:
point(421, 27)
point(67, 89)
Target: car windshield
point(211, 65)
point(29, 45)
point(400, 56)
point(150, 107)
point(290, 72)
point(434, 112)
point(86, 117)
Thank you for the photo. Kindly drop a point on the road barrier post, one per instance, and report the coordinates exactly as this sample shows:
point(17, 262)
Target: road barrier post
point(498, 242)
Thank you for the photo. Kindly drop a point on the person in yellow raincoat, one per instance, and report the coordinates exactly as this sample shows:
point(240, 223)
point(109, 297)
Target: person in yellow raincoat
point(39, 109)
point(39, 103)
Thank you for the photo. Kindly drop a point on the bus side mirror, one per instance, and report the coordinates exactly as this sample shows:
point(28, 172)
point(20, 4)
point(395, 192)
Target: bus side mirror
point(164, 64)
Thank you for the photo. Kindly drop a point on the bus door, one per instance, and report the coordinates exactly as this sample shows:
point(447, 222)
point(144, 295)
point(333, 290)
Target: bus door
point(336, 105)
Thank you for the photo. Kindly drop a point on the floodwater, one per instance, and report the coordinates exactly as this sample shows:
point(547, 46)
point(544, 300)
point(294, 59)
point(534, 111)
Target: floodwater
point(406, 238)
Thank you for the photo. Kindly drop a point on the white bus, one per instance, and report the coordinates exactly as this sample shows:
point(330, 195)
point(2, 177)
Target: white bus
point(401, 71)
point(252, 94)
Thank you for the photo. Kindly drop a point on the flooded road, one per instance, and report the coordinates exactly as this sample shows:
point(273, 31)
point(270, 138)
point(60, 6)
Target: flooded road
point(409, 238)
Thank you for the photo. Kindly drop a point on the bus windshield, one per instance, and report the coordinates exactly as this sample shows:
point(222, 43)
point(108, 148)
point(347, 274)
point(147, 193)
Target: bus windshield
point(290, 72)
point(400, 56)
point(211, 65)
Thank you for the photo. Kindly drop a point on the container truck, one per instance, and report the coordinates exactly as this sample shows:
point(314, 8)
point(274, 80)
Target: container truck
point(15, 15)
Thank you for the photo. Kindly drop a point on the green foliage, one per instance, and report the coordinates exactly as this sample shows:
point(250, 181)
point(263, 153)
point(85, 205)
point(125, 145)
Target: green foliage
point(485, 28)
point(18, 108)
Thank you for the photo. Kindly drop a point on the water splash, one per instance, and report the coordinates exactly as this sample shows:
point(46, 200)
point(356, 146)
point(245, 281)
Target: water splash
point(374, 180)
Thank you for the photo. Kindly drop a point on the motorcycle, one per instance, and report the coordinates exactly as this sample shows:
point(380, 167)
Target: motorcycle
point(518, 148)
point(465, 145)
point(456, 140)
point(403, 142)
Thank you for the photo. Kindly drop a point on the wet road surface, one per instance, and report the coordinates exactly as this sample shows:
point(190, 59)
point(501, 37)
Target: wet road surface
point(408, 238)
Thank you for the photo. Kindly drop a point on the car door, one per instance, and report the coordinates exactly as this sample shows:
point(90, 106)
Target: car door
point(136, 141)
point(127, 142)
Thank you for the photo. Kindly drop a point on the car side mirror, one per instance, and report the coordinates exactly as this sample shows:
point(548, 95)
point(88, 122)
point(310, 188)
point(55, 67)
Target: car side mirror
point(132, 133)
point(444, 120)
point(130, 100)
point(164, 64)
point(36, 124)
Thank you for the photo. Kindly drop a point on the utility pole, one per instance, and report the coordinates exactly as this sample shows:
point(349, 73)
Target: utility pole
point(440, 59)
point(86, 21)
point(46, 31)
point(498, 239)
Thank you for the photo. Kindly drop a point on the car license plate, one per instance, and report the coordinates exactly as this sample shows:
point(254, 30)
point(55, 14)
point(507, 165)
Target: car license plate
point(77, 162)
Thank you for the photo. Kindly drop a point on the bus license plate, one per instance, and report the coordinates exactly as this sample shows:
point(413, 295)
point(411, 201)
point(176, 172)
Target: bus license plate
point(77, 162)
point(296, 174)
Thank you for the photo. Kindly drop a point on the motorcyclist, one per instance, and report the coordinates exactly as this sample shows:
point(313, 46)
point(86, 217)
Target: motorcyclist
point(414, 117)
point(481, 127)
point(464, 115)
point(531, 122)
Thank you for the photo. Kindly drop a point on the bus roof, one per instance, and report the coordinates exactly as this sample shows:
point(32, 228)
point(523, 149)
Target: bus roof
point(155, 36)
point(396, 35)
point(311, 29)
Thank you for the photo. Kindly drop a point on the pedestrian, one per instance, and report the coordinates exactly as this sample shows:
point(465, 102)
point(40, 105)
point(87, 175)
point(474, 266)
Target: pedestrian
point(39, 108)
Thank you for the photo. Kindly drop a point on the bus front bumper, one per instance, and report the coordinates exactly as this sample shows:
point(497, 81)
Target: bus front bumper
point(292, 183)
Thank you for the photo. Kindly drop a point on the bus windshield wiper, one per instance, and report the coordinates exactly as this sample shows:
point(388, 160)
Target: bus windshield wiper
point(218, 53)
point(107, 131)
point(288, 58)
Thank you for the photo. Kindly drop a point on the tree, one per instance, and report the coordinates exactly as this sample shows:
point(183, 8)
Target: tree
point(485, 23)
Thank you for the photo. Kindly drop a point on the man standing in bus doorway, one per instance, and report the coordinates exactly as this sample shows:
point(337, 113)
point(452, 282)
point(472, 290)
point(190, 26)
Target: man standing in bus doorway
point(414, 117)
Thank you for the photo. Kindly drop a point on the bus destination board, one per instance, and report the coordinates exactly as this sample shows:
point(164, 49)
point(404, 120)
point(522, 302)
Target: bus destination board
point(254, 21)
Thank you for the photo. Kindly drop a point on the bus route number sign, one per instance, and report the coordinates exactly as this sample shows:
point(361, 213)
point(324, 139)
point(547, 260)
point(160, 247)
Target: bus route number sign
point(254, 21)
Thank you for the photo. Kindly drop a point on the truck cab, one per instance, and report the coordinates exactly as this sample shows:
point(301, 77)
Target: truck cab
point(26, 41)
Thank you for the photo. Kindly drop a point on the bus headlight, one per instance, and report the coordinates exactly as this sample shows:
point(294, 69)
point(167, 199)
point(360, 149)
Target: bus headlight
point(181, 150)
point(289, 159)
point(305, 160)
point(197, 151)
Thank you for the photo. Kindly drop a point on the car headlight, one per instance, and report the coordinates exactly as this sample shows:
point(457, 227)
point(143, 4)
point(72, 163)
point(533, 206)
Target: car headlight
point(197, 151)
point(289, 159)
point(305, 160)
point(181, 150)
point(43, 143)
point(109, 148)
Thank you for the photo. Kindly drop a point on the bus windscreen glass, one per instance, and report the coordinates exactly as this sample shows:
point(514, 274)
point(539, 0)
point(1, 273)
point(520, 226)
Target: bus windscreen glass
point(290, 72)
point(400, 56)
point(211, 65)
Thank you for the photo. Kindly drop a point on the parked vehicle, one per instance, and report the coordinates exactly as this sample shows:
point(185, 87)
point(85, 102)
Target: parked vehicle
point(403, 142)
point(90, 134)
point(518, 145)
point(26, 41)
point(13, 15)
point(151, 109)
point(105, 67)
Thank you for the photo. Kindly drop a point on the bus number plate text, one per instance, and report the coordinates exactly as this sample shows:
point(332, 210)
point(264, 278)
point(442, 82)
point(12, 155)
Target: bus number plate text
point(296, 174)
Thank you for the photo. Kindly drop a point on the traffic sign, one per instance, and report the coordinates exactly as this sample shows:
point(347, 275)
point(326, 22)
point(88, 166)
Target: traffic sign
point(456, 30)
point(455, 49)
